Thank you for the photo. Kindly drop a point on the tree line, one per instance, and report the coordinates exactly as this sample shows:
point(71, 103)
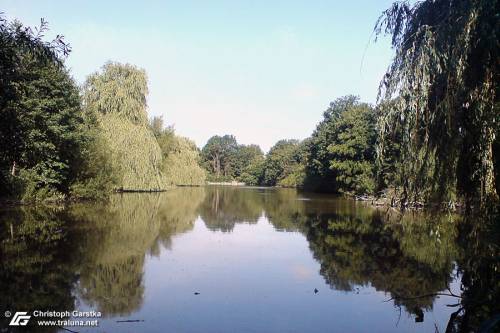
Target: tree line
point(338, 157)
point(432, 137)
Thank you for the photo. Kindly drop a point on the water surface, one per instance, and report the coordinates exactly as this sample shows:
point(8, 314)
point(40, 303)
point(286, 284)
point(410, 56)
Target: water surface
point(223, 259)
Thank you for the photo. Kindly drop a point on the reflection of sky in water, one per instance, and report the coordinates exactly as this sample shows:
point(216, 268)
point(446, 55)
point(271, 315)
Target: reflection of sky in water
point(257, 279)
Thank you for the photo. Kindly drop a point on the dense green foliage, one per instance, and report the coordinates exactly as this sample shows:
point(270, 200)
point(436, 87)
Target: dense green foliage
point(253, 169)
point(339, 157)
point(226, 160)
point(433, 137)
point(341, 152)
point(57, 144)
point(97, 175)
point(218, 154)
point(284, 164)
point(181, 165)
point(247, 161)
point(135, 153)
point(388, 148)
point(44, 138)
point(116, 97)
point(445, 78)
point(119, 89)
point(181, 157)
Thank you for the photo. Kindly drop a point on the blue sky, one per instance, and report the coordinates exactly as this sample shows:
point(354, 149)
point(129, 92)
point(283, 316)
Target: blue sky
point(261, 70)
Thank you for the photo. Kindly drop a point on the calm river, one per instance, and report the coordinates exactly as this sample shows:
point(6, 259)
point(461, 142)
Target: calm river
point(224, 259)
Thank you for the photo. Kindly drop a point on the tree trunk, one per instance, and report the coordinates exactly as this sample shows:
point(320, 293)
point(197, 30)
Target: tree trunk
point(217, 172)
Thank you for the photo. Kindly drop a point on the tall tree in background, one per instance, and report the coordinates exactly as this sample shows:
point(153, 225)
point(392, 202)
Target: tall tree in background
point(244, 156)
point(283, 162)
point(251, 164)
point(445, 73)
point(341, 151)
point(116, 98)
point(218, 154)
point(353, 150)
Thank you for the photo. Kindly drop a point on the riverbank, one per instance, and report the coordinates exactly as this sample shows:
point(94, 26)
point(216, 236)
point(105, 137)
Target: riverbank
point(233, 183)
point(396, 203)
point(62, 200)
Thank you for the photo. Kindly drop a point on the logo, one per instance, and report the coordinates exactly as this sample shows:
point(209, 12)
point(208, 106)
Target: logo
point(20, 319)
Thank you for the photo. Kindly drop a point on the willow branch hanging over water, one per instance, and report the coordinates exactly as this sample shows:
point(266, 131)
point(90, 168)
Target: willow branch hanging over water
point(443, 86)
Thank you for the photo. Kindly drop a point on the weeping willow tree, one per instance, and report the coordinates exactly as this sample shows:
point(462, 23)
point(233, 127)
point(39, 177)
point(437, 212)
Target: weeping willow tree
point(120, 89)
point(116, 98)
point(136, 156)
point(443, 88)
point(181, 165)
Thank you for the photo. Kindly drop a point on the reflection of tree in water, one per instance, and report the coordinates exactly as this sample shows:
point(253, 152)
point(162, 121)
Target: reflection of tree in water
point(225, 206)
point(480, 268)
point(178, 212)
point(285, 210)
point(101, 249)
point(354, 251)
point(407, 257)
point(116, 238)
point(426, 238)
point(288, 210)
point(356, 246)
point(36, 271)
point(114, 288)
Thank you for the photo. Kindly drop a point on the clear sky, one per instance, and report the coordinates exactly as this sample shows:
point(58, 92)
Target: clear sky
point(261, 70)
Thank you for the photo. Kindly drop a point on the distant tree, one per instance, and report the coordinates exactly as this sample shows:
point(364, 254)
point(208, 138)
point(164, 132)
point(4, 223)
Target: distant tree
point(218, 155)
point(294, 175)
point(283, 159)
point(341, 154)
point(181, 163)
point(445, 75)
point(164, 135)
point(353, 150)
point(253, 173)
point(251, 164)
point(245, 155)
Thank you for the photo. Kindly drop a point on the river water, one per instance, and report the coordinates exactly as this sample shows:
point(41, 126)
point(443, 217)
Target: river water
point(226, 259)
